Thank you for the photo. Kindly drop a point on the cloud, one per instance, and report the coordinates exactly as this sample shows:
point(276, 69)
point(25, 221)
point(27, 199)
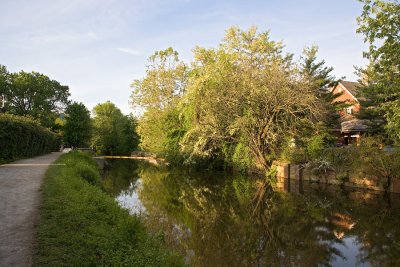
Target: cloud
point(92, 35)
point(128, 51)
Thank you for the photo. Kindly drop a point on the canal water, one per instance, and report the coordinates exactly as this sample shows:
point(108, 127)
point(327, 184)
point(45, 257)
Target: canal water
point(219, 219)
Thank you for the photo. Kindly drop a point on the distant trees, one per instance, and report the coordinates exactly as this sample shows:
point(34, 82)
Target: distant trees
point(78, 125)
point(33, 94)
point(380, 25)
point(37, 96)
point(113, 132)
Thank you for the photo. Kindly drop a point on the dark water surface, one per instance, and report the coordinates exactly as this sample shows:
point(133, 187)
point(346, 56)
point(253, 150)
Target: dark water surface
point(212, 220)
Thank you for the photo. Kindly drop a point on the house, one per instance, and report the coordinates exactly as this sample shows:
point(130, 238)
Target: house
point(351, 128)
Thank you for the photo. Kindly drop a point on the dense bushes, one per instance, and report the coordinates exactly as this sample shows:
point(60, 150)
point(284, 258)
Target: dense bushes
point(23, 137)
point(80, 225)
point(372, 159)
point(366, 159)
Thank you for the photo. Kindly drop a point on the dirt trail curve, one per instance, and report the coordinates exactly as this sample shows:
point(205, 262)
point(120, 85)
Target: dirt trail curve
point(20, 182)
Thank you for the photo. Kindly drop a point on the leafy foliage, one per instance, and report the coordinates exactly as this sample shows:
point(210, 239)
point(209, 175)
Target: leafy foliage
point(33, 94)
point(162, 127)
point(78, 125)
point(22, 137)
point(237, 104)
point(165, 80)
point(373, 160)
point(380, 24)
point(113, 132)
point(254, 94)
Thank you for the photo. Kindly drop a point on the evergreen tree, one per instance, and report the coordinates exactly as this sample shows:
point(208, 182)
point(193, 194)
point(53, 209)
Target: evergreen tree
point(320, 78)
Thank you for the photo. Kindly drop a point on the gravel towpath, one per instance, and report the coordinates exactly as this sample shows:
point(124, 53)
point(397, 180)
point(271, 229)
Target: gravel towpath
point(20, 183)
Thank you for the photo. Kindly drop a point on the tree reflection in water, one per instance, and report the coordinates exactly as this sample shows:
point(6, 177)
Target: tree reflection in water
point(214, 219)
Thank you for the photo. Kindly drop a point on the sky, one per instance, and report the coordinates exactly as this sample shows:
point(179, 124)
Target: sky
point(99, 47)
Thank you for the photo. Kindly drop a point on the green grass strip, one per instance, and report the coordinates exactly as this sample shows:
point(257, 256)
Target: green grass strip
point(80, 225)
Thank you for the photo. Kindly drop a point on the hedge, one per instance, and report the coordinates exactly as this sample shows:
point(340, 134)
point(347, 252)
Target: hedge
point(22, 137)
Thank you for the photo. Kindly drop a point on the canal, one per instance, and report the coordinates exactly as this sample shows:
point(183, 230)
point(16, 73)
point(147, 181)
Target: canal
point(211, 218)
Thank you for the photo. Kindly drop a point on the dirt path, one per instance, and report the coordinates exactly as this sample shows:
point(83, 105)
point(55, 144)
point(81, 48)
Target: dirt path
point(19, 202)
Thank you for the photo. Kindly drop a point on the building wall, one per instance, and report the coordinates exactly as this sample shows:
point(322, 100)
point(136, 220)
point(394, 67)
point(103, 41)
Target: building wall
point(347, 98)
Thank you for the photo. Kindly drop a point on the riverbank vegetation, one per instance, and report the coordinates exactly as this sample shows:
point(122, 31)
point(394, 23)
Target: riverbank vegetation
point(247, 103)
point(81, 225)
point(238, 105)
point(22, 137)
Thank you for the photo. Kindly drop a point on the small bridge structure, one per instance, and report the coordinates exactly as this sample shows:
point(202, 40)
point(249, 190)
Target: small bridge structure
point(138, 155)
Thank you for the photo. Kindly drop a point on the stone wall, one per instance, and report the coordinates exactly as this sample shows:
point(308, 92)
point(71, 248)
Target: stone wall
point(293, 171)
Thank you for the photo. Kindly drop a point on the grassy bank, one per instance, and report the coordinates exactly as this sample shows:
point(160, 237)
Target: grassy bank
point(80, 225)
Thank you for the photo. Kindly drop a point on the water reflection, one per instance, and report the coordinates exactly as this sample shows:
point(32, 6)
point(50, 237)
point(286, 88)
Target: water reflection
point(129, 198)
point(210, 219)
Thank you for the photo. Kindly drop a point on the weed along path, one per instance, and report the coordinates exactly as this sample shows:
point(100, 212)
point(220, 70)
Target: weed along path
point(20, 182)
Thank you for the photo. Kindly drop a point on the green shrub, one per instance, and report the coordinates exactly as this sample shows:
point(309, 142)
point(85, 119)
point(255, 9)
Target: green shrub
point(22, 137)
point(242, 157)
point(318, 144)
point(342, 161)
point(373, 160)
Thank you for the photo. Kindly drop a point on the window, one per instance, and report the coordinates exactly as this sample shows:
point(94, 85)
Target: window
point(349, 110)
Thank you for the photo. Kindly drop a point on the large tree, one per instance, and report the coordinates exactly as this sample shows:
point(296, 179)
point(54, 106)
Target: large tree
point(158, 94)
point(78, 125)
point(165, 80)
point(33, 94)
point(113, 132)
point(380, 24)
point(248, 92)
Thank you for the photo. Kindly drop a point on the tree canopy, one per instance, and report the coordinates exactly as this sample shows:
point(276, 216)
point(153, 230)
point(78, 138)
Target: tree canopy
point(380, 25)
point(33, 94)
point(78, 125)
point(159, 94)
point(165, 79)
point(240, 102)
point(113, 132)
point(247, 92)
